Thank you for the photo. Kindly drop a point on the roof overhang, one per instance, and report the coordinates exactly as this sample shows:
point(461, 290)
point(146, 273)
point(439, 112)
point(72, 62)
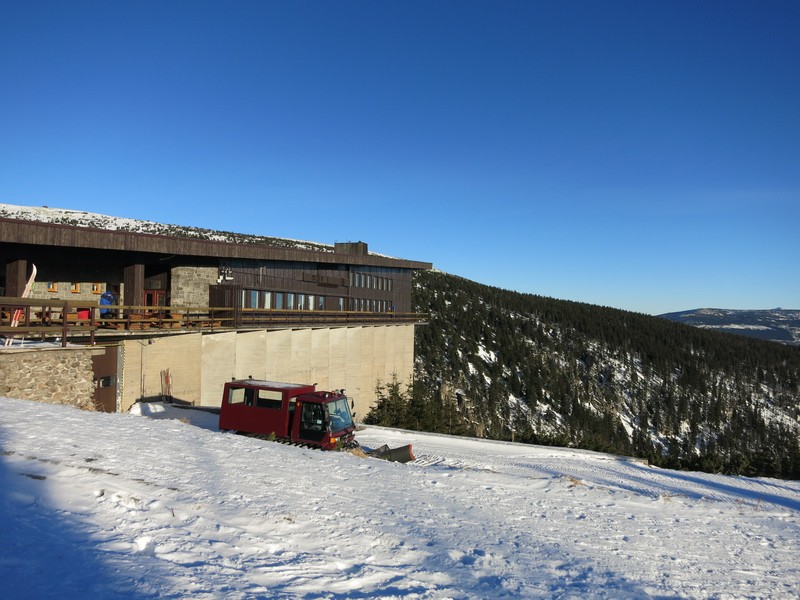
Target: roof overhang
point(15, 231)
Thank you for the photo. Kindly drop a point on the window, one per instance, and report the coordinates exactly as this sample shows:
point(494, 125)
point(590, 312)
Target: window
point(339, 415)
point(269, 399)
point(290, 301)
point(321, 302)
point(267, 300)
point(311, 299)
point(236, 396)
point(279, 300)
point(259, 398)
point(301, 301)
point(312, 419)
point(97, 288)
point(76, 288)
point(249, 298)
point(52, 286)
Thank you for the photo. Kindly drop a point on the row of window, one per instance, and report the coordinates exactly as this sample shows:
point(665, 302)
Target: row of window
point(362, 305)
point(75, 287)
point(296, 301)
point(370, 282)
point(285, 300)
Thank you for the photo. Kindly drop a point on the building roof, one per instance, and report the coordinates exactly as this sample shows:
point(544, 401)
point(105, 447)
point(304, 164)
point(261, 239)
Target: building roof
point(36, 232)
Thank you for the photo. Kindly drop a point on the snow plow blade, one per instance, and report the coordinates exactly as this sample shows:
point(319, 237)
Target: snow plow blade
point(403, 454)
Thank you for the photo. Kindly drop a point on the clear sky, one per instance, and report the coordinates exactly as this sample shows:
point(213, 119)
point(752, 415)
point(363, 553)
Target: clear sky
point(637, 154)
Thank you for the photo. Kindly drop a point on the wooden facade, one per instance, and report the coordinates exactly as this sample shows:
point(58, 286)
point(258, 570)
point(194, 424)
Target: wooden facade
point(346, 278)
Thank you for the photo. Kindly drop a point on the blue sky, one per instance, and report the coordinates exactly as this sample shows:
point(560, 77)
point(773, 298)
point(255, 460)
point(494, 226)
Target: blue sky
point(643, 155)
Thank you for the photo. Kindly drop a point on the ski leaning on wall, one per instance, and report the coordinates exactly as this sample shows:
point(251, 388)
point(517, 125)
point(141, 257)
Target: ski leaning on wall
point(15, 318)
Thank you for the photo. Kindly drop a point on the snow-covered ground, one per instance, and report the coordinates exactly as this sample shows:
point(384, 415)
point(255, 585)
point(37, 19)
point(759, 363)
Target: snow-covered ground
point(124, 506)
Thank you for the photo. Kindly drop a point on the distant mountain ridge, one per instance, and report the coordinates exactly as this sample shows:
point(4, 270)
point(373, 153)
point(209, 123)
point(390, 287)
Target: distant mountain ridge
point(775, 325)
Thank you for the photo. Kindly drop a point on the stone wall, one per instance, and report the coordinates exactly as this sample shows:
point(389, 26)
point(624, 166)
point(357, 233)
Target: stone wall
point(52, 375)
point(189, 285)
point(67, 290)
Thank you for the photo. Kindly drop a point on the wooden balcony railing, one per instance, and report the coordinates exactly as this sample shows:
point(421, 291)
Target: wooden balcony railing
point(64, 319)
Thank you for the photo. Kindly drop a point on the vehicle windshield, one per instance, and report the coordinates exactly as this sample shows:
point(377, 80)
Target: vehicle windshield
point(339, 414)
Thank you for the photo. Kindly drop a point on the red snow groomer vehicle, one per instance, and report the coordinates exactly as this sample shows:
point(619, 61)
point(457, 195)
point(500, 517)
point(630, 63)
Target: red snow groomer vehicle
point(295, 413)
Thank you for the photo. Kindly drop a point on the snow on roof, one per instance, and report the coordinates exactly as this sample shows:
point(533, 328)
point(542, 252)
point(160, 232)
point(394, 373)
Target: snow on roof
point(280, 385)
point(77, 218)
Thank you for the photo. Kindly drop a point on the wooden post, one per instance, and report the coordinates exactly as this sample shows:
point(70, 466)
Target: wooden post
point(134, 285)
point(16, 277)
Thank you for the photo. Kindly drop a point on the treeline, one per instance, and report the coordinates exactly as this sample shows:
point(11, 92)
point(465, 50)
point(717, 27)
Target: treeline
point(504, 365)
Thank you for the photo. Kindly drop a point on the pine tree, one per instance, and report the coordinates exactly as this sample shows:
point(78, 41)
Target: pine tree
point(391, 407)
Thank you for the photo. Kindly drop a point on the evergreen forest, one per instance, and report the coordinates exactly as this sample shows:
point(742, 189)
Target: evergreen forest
point(509, 366)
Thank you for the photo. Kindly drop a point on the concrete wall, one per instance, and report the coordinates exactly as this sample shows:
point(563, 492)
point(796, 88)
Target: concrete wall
point(354, 358)
point(146, 362)
point(52, 375)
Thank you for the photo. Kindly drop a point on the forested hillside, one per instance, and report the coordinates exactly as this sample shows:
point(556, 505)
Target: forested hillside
point(504, 365)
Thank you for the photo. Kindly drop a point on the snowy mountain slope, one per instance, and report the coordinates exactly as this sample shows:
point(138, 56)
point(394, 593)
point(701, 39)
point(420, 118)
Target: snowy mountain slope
point(777, 325)
point(122, 506)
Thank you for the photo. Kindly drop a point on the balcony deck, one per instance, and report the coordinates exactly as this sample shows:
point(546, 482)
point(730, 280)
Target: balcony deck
point(80, 321)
